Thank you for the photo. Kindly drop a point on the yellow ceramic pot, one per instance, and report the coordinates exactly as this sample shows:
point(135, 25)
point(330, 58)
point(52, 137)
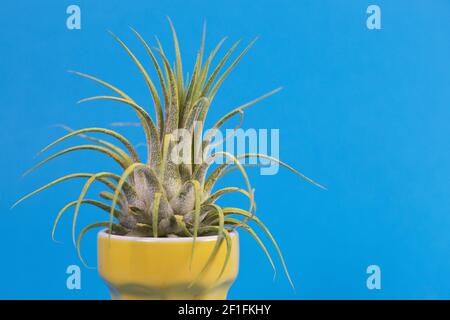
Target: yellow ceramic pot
point(161, 268)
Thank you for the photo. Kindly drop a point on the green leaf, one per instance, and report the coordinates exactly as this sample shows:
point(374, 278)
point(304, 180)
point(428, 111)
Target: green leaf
point(189, 120)
point(239, 109)
point(172, 114)
point(252, 217)
point(179, 65)
point(221, 232)
point(229, 69)
point(103, 83)
point(281, 163)
point(158, 71)
point(143, 228)
point(197, 206)
point(247, 228)
point(95, 203)
point(202, 171)
point(106, 195)
point(151, 86)
point(207, 64)
point(191, 87)
point(84, 190)
point(206, 143)
point(217, 69)
point(122, 94)
point(111, 133)
point(220, 171)
point(182, 225)
point(92, 226)
point(151, 132)
point(165, 153)
point(122, 181)
point(219, 193)
point(54, 182)
point(103, 150)
point(155, 210)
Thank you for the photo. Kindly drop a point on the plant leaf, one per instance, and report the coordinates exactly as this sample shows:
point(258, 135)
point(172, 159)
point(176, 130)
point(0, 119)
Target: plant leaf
point(221, 170)
point(122, 181)
point(158, 71)
point(95, 203)
point(197, 191)
point(92, 226)
point(151, 86)
point(229, 69)
point(172, 116)
point(84, 190)
point(217, 69)
point(239, 109)
point(179, 65)
point(156, 202)
point(52, 183)
point(151, 132)
point(257, 239)
point(111, 133)
point(219, 193)
point(122, 162)
point(182, 225)
point(267, 232)
point(203, 168)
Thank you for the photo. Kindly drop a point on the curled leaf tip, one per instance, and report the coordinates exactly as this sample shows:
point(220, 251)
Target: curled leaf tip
point(84, 100)
point(26, 173)
point(278, 89)
point(204, 26)
point(321, 186)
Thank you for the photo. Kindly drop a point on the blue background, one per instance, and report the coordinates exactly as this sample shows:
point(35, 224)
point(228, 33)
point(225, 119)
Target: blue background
point(365, 112)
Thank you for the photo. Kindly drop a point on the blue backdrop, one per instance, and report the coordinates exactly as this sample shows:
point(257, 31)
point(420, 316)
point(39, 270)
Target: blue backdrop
point(365, 112)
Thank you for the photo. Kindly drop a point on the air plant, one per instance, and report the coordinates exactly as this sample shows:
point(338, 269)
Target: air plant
point(160, 197)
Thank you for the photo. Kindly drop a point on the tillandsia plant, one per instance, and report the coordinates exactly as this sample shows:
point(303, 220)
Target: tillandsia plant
point(162, 196)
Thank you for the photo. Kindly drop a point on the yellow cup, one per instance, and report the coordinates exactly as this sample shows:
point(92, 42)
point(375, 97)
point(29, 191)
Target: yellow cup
point(162, 268)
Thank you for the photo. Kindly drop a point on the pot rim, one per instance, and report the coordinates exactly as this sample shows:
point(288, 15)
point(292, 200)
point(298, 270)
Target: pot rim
point(104, 234)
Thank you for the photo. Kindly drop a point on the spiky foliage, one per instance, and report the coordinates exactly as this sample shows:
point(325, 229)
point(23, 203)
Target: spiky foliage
point(159, 197)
